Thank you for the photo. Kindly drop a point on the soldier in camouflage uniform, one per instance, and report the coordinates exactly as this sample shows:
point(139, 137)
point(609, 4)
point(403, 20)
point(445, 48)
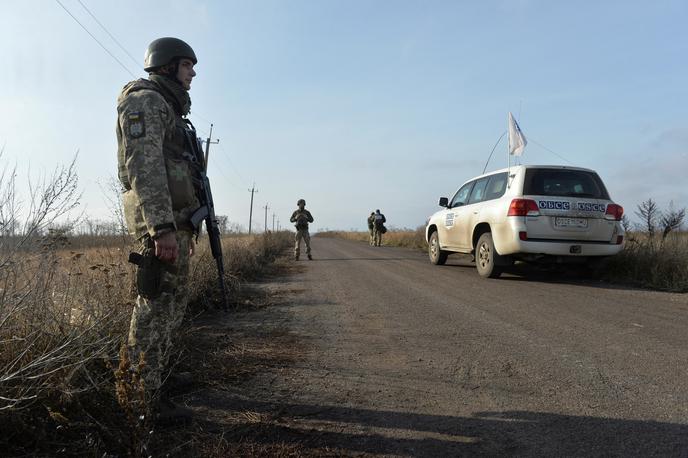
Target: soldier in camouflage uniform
point(302, 217)
point(379, 228)
point(371, 227)
point(157, 177)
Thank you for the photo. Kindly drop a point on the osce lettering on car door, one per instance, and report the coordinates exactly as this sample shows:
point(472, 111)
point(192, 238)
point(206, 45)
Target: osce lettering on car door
point(453, 216)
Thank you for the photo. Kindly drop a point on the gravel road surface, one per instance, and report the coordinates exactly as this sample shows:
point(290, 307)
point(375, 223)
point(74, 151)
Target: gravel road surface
point(404, 358)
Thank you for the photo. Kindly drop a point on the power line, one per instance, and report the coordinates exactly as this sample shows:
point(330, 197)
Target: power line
point(195, 113)
point(133, 59)
point(95, 39)
point(136, 62)
point(530, 139)
point(231, 164)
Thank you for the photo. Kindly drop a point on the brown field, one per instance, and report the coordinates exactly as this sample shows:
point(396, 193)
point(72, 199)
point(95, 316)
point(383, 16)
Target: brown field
point(406, 238)
point(64, 313)
point(656, 263)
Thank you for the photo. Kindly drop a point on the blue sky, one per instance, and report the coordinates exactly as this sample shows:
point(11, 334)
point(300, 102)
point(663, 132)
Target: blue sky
point(357, 105)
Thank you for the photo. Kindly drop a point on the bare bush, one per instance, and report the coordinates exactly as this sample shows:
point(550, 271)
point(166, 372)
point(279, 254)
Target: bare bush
point(60, 311)
point(671, 220)
point(649, 213)
point(66, 295)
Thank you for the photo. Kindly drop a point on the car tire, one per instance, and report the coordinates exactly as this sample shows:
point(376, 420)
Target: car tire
point(486, 258)
point(437, 256)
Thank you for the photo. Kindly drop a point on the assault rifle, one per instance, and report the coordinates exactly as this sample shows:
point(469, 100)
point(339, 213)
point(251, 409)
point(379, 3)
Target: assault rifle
point(206, 212)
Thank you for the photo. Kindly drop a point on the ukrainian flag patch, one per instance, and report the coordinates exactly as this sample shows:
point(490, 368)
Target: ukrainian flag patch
point(136, 126)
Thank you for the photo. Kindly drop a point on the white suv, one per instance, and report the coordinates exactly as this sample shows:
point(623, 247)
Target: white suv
point(527, 212)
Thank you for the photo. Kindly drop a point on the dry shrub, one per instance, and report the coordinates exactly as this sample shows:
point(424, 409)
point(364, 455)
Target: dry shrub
point(406, 238)
point(65, 307)
point(130, 390)
point(651, 262)
point(245, 258)
point(63, 315)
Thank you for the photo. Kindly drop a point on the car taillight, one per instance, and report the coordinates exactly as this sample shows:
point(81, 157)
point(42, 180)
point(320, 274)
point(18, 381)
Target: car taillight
point(523, 207)
point(614, 212)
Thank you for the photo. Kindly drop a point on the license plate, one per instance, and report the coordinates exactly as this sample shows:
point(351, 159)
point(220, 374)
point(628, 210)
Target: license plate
point(570, 222)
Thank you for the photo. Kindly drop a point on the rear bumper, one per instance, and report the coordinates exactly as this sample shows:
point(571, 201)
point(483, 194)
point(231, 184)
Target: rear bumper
point(568, 248)
point(507, 242)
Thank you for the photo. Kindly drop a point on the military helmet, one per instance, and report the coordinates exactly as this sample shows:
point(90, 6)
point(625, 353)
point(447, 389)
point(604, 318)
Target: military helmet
point(163, 50)
point(301, 201)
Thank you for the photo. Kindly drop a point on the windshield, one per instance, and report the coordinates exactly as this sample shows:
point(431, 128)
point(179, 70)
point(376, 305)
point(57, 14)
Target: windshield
point(564, 183)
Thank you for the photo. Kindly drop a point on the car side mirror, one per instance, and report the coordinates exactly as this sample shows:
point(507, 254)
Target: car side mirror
point(443, 202)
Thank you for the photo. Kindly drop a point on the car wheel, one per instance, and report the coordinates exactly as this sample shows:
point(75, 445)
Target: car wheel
point(486, 258)
point(437, 255)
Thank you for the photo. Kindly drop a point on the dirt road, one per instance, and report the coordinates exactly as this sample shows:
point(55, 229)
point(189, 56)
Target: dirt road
point(405, 358)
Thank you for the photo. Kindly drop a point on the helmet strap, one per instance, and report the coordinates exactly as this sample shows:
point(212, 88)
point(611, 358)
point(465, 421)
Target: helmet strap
point(169, 71)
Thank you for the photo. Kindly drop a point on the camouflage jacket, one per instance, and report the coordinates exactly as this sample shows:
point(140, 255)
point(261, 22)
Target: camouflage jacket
point(158, 180)
point(371, 221)
point(301, 218)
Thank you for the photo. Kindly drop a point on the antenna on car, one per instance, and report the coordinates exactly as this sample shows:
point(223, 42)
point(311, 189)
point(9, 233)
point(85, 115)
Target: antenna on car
point(493, 149)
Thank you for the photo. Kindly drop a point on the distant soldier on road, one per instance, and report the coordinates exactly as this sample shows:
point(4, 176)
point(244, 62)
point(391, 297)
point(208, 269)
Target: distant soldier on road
point(302, 217)
point(157, 176)
point(379, 227)
point(371, 227)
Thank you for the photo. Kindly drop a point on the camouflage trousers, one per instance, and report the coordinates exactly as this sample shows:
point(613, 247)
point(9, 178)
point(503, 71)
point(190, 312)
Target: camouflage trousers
point(155, 320)
point(377, 237)
point(302, 234)
point(371, 241)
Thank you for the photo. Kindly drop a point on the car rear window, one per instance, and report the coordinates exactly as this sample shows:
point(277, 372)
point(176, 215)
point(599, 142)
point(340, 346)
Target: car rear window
point(564, 183)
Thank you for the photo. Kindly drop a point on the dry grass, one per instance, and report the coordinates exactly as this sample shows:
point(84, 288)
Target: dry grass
point(64, 314)
point(654, 263)
point(406, 238)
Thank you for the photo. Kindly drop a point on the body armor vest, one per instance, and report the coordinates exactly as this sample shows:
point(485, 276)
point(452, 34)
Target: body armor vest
point(180, 163)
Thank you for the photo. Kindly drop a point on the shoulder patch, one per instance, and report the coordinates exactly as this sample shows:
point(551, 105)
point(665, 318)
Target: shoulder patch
point(136, 125)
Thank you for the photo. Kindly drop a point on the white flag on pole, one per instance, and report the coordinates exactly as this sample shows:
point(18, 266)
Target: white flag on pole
point(517, 142)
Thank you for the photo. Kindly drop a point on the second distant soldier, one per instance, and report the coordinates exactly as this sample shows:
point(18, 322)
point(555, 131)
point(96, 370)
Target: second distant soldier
point(301, 217)
point(379, 227)
point(371, 227)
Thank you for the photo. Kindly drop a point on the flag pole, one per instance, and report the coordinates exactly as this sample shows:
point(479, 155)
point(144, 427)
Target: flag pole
point(508, 154)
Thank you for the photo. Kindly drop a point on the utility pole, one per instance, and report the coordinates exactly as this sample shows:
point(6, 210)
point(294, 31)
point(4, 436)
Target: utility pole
point(207, 146)
point(265, 227)
point(250, 214)
point(273, 222)
point(278, 226)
